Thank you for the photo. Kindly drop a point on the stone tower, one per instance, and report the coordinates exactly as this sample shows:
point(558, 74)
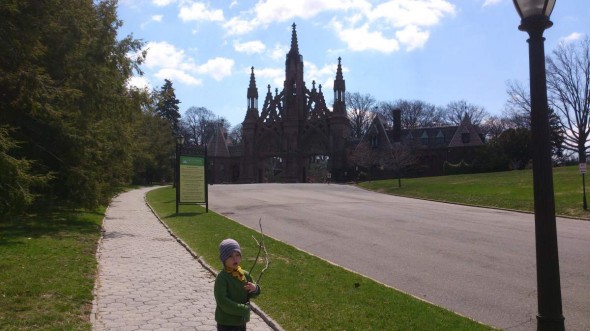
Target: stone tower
point(294, 127)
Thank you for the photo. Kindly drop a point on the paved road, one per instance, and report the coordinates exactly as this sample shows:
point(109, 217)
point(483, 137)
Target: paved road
point(475, 261)
point(146, 279)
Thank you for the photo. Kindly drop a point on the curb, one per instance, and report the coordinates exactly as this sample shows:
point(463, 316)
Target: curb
point(94, 310)
point(269, 321)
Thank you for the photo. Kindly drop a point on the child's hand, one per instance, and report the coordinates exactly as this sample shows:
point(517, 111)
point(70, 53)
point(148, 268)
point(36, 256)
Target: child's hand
point(250, 287)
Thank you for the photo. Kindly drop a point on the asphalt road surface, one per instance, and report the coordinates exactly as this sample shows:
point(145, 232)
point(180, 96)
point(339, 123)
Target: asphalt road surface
point(477, 262)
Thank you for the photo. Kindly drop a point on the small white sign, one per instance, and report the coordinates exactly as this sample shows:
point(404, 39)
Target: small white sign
point(582, 168)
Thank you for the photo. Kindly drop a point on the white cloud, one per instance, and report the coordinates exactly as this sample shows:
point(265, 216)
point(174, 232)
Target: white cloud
point(157, 18)
point(163, 54)
point(276, 77)
point(198, 11)
point(162, 3)
point(139, 82)
point(279, 52)
point(172, 63)
point(312, 72)
point(279, 10)
point(571, 37)
point(270, 11)
point(237, 26)
point(361, 39)
point(412, 37)
point(359, 24)
point(323, 76)
point(177, 75)
point(218, 68)
point(250, 47)
point(491, 2)
point(402, 13)
point(393, 23)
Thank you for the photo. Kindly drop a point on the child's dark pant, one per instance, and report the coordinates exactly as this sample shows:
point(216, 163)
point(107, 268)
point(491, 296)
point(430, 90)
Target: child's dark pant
point(230, 328)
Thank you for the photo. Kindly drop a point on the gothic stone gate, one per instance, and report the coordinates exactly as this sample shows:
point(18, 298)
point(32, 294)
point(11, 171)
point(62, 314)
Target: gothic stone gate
point(294, 127)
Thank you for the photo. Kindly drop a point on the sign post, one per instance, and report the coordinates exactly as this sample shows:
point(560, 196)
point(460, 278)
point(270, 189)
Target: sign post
point(191, 188)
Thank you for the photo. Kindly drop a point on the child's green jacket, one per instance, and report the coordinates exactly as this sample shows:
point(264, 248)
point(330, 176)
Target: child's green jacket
point(231, 299)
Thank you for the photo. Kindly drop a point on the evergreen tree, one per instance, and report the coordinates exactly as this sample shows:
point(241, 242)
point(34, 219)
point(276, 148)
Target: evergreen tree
point(16, 180)
point(167, 105)
point(63, 75)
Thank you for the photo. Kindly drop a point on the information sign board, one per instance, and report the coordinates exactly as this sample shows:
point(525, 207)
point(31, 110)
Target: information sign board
point(192, 179)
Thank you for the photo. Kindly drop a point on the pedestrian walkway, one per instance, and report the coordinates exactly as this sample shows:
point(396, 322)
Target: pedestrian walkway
point(146, 279)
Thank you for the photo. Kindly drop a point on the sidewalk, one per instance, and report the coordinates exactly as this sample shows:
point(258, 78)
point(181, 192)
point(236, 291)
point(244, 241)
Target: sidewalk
point(146, 279)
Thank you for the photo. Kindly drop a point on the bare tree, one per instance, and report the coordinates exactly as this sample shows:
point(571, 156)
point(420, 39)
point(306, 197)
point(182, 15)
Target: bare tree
point(414, 113)
point(493, 126)
point(199, 122)
point(235, 134)
point(517, 111)
point(360, 107)
point(517, 115)
point(397, 158)
point(455, 112)
point(568, 85)
point(365, 156)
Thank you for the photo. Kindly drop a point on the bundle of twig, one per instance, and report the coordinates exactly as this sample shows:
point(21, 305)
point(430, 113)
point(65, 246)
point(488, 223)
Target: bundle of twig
point(261, 247)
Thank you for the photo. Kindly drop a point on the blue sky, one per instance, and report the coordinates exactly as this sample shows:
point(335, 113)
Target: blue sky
point(436, 51)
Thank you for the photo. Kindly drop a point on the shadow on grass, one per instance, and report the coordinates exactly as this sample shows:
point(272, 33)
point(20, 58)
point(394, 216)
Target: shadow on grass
point(57, 224)
point(185, 214)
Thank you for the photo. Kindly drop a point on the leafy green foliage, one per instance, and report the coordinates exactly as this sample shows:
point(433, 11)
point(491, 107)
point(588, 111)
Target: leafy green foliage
point(16, 178)
point(64, 97)
point(167, 104)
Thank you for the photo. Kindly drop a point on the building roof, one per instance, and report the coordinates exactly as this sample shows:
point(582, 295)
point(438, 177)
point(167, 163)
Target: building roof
point(431, 137)
point(217, 146)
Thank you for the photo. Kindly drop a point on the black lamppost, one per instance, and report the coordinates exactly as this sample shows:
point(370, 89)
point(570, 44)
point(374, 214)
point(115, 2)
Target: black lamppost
point(179, 143)
point(534, 20)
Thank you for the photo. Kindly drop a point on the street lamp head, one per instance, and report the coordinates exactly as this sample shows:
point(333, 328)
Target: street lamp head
point(534, 14)
point(180, 139)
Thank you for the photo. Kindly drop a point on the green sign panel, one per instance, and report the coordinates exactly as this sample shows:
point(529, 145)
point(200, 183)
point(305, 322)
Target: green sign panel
point(192, 179)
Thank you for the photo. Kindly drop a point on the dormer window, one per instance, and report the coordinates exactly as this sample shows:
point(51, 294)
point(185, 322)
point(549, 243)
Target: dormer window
point(424, 138)
point(440, 138)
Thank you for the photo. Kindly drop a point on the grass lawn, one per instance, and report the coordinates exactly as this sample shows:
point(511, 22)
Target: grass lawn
point(303, 292)
point(510, 189)
point(47, 270)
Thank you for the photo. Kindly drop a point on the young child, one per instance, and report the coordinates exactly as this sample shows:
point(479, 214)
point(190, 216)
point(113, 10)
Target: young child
point(233, 289)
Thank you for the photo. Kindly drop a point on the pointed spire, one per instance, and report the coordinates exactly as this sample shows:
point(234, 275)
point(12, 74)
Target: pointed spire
point(252, 92)
point(252, 95)
point(339, 86)
point(339, 70)
point(294, 44)
point(339, 90)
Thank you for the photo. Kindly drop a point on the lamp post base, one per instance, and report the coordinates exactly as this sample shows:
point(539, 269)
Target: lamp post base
point(548, 323)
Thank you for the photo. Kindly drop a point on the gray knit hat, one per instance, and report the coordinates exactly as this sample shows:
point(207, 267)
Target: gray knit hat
point(227, 247)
